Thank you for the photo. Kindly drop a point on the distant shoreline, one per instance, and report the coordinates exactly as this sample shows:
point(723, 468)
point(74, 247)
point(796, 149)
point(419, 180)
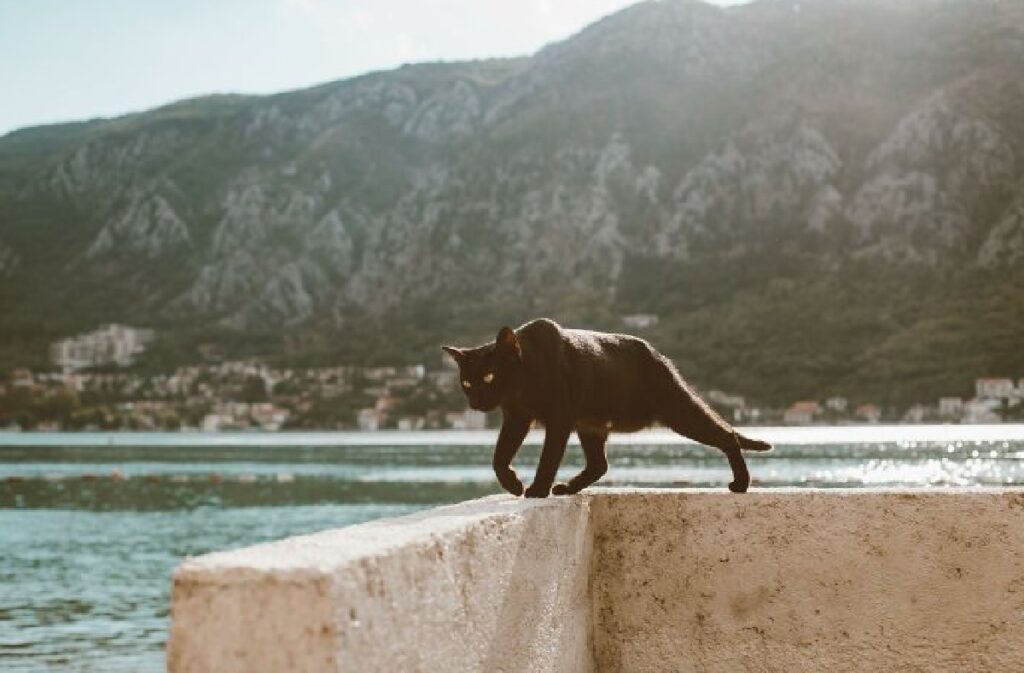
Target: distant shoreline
point(816, 434)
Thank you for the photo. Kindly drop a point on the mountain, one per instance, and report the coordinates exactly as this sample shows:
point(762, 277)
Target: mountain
point(823, 196)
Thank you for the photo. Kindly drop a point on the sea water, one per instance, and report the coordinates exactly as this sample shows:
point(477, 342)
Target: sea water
point(92, 524)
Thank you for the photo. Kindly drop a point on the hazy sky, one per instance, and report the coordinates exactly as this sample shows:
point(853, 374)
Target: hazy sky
point(64, 60)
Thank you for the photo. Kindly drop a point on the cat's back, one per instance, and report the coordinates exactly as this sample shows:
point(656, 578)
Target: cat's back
point(602, 353)
point(540, 337)
point(585, 347)
point(607, 348)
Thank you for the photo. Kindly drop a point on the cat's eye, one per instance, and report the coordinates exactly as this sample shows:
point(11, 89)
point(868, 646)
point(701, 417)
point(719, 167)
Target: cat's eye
point(488, 377)
point(466, 384)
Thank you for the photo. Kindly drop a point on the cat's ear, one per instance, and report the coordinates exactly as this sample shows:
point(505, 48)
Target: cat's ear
point(507, 343)
point(457, 353)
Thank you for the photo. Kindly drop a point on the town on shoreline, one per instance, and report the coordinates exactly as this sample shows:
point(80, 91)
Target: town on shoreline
point(93, 386)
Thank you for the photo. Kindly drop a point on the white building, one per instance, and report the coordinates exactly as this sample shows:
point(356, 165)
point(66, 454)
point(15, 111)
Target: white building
point(368, 419)
point(994, 388)
point(215, 422)
point(726, 400)
point(982, 411)
point(916, 414)
point(951, 407)
point(837, 404)
point(411, 423)
point(110, 344)
point(268, 416)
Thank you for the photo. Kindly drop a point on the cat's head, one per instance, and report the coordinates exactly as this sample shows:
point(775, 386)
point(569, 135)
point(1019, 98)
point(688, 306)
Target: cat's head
point(490, 373)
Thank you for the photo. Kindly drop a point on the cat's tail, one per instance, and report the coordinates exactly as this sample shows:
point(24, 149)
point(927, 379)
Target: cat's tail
point(748, 444)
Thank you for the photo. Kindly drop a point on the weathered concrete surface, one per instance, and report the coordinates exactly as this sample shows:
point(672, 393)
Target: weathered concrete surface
point(809, 581)
point(626, 580)
point(490, 585)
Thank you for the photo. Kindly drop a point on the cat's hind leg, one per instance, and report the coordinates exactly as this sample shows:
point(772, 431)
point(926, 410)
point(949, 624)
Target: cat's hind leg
point(726, 442)
point(597, 464)
point(691, 417)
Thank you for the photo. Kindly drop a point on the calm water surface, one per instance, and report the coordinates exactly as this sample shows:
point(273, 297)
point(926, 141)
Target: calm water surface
point(91, 525)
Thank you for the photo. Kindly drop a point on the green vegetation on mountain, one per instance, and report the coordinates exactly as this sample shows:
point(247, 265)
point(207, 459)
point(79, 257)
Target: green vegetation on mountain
point(817, 198)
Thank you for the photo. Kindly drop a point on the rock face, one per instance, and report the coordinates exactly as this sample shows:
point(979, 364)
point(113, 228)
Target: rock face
point(933, 181)
point(763, 175)
point(8, 260)
point(148, 225)
point(670, 138)
point(1004, 245)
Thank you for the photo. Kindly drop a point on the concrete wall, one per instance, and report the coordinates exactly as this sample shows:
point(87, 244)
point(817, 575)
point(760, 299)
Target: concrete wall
point(491, 585)
point(624, 580)
point(809, 581)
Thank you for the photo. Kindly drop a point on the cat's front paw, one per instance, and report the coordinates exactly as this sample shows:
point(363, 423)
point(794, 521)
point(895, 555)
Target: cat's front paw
point(535, 491)
point(510, 482)
point(515, 488)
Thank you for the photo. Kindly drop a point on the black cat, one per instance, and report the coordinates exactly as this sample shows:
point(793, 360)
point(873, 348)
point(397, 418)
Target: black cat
point(590, 382)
